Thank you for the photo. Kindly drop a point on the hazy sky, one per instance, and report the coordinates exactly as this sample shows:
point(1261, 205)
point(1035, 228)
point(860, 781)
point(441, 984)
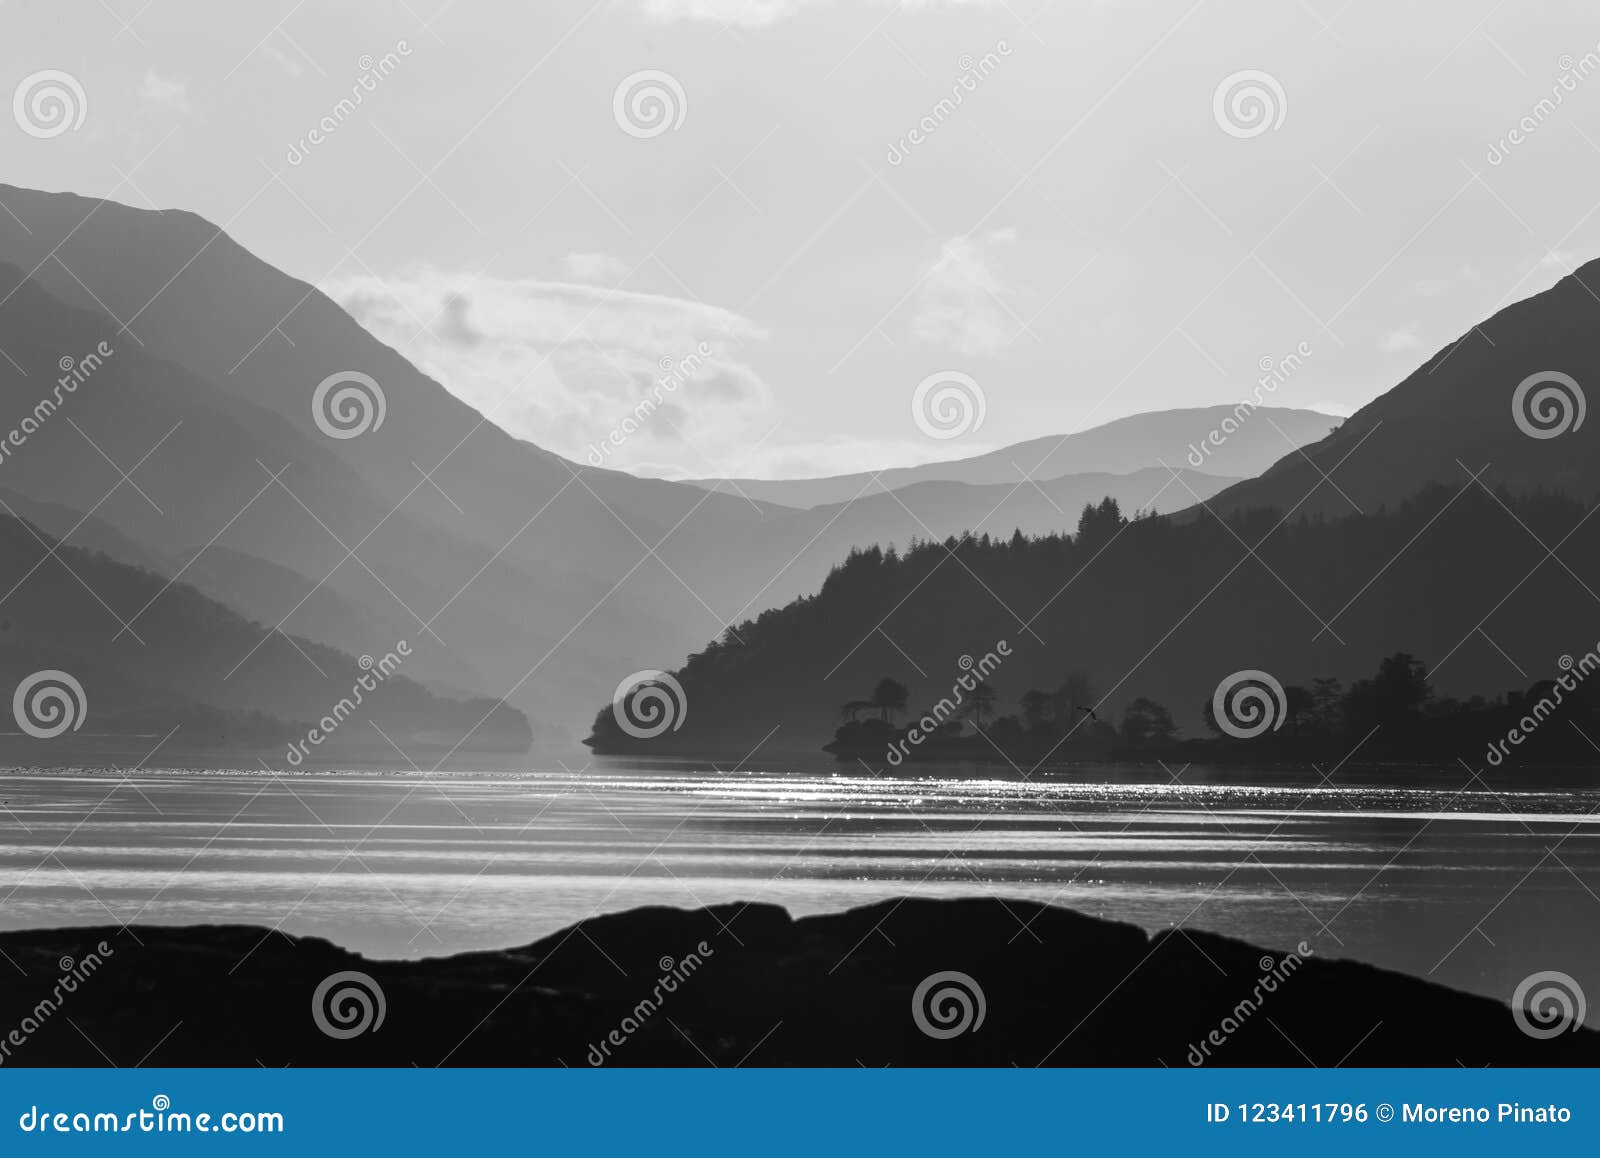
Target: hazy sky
point(1079, 234)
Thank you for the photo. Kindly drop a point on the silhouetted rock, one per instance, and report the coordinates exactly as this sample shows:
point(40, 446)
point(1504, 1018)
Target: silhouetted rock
point(746, 984)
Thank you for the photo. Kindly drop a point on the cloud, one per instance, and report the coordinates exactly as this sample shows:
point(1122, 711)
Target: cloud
point(1405, 340)
point(160, 94)
point(568, 366)
point(596, 267)
point(282, 59)
point(960, 305)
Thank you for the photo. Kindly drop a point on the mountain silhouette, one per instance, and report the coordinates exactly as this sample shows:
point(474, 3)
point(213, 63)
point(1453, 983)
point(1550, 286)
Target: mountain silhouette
point(1448, 519)
point(177, 673)
point(1454, 414)
point(1176, 437)
point(515, 572)
point(1159, 608)
point(519, 574)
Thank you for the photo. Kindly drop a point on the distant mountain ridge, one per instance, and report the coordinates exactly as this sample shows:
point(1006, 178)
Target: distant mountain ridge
point(1177, 437)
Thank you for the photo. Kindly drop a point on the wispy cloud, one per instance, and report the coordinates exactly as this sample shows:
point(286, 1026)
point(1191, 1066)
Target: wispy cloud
point(596, 267)
point(159, 94)
point(282, 59)
point(960, 306)
point(563, 364)
point(1405, 340)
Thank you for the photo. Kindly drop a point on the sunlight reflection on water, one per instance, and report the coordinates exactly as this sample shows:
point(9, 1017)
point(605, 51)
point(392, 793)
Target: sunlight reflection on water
point(1473, 889)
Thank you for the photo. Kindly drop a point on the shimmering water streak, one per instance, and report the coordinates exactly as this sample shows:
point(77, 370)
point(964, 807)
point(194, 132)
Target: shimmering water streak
point(1460, 886)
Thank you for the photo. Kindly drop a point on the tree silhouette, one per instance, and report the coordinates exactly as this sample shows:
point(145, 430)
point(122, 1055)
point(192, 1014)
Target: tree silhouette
point(1076, 691)
point(980, 702)
point(1035, 708)
point(1147, 724)
point(1393, 699)
point(1100, 524)
point(889, 698)
point(1100, 605)
point(1326, 694)
point(1300, 709)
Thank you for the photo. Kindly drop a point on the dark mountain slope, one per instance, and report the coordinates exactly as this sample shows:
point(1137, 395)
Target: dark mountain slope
point(258, 589)
point(1162, 608)
point(1457, 408)
point(181, 667)
point(543, 580)
point(202, 466)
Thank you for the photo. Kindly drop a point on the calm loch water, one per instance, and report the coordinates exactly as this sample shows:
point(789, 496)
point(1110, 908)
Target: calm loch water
point(1473, 889)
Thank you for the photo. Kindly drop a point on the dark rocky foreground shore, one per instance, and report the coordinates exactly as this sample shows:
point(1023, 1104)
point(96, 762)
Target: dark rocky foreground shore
point(746, 985)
